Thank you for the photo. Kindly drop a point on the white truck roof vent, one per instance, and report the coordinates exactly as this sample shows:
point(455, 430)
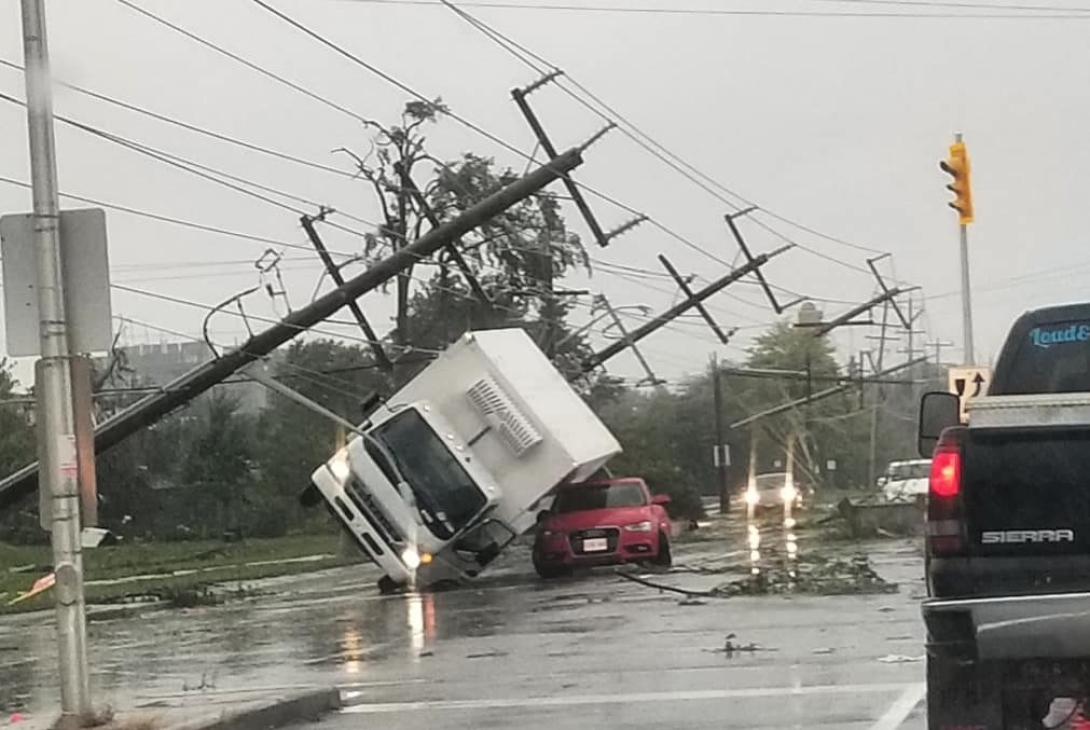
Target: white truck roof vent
point(500, 412)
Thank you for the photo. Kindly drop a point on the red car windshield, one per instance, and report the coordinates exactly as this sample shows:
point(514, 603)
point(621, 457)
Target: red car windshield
point(599, 496)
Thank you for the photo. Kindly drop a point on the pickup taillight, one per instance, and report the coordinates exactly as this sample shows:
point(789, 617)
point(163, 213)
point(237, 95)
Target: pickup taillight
point(945, 518)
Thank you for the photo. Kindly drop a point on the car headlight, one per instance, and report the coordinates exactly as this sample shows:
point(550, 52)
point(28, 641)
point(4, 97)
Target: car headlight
point(752, 497)
point(339, 466)
point(639, 527)
point(789, 493)
point(411, 558)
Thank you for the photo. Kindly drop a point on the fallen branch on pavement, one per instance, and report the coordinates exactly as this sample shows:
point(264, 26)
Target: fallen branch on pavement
point(663, 587)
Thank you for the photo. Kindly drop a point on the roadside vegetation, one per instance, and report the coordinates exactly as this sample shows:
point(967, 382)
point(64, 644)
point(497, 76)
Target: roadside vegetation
point(180, 573)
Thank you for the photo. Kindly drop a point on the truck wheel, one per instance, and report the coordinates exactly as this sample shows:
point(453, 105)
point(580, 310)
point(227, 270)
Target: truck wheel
point(965, 695)
point(310, 497)
point(387, 585)
point(665, 558)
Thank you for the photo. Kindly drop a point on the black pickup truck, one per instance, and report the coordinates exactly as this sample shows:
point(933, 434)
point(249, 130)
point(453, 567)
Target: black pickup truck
point(1008, 536)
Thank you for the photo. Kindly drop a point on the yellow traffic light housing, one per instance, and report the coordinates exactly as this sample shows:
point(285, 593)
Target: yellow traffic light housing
point(957, 166)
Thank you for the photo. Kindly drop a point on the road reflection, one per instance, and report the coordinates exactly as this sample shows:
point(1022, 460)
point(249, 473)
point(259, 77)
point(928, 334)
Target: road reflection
point(788, 543)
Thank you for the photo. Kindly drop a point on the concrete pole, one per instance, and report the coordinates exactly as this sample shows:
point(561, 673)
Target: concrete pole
point(720, 439)
point(966, 294)
point(57, 451)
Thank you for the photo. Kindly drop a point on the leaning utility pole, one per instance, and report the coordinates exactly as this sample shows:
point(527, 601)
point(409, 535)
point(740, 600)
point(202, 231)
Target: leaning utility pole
point(876, 407)
point(57, 445)
point(678, 309)
point(184, 389)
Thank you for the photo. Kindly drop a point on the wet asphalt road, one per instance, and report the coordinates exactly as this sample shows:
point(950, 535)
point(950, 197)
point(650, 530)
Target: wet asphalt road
point(593, 651)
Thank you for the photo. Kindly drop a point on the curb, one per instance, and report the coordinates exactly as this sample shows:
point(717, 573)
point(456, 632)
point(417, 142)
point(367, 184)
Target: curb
point(306, 706)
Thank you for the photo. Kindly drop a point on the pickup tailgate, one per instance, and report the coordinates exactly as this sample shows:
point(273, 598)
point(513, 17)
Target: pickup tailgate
point(1026, 497)
point(1056, 625)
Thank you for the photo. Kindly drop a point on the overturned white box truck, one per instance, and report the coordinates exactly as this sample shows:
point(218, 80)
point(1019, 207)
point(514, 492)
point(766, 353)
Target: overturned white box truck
point(451, 469)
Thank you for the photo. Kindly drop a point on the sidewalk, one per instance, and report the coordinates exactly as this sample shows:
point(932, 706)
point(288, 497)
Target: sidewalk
point(232, 710)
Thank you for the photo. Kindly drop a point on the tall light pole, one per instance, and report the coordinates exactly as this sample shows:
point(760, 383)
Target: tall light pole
point(957, 166)
point(57, 442)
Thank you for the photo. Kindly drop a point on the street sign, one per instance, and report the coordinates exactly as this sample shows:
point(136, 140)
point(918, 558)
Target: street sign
point(968, 383)
point(86, 279)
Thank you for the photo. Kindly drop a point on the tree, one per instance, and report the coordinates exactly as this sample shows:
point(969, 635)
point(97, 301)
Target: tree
point(292, 440)
point(657, 435)
point(515, 256)
point(17, 445)
point(218, 469)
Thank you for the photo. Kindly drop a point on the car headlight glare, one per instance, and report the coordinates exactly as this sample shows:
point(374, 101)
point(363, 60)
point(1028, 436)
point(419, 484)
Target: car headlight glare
point(411, 558)
point(339, 467)
point(752, 497)
point(789, 493)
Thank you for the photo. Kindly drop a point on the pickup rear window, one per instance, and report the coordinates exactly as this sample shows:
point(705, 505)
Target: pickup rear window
point(1051, 358)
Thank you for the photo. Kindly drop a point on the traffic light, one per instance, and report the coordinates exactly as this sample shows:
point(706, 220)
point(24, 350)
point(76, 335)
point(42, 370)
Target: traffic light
point(957, 166)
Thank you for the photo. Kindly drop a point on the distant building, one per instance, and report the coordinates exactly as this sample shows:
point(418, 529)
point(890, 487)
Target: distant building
point(162, 363)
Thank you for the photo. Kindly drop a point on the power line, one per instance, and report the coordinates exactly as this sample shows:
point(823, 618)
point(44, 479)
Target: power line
point(480, 130)
point(467, 123)
point(1058, 14)
point(263, 71)
point(965, 5)
point(649, 144)
point(192, 127)
point(259, 318)
point(178, 221)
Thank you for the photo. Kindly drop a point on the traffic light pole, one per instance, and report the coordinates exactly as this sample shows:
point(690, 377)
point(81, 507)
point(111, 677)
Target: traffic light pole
point(966, 297)
point(958, 167)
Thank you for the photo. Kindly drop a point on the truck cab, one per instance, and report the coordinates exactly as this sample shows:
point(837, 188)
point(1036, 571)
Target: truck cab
point(406, 489)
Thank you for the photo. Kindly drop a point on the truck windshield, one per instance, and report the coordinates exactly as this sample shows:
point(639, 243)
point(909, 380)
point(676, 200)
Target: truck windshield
point(446, 495)
point(599, 496)
point(1052, 358)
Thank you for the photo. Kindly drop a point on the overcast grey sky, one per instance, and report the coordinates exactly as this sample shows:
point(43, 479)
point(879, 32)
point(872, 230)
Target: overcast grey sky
point(835, 122)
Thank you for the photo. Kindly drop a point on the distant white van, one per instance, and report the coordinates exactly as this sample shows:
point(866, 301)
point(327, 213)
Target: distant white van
point(904, 480)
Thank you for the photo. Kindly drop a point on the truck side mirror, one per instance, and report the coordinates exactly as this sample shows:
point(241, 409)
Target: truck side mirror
point(938, 412)
point(490, 553)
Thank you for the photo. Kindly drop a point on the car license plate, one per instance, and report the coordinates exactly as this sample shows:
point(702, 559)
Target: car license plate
point(595, 545)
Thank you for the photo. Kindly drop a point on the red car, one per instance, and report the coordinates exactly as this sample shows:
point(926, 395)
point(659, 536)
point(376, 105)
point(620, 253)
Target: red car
point(602, 523)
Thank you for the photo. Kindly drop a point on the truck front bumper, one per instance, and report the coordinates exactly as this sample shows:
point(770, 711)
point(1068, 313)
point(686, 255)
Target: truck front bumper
point(371, 537)
point(1052, 626)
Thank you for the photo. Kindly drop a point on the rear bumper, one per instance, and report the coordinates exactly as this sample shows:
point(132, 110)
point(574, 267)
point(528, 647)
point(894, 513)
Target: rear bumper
point(1052, 626)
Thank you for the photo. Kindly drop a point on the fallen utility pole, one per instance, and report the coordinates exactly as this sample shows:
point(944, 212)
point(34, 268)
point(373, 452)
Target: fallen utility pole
point(335, 274)
point(452, 248)
point(651, 378)
point(678, 309)
point(683, 284)
point(519, 95)
point(827, 327)
point(822, 394)
point(197, 381)
point(729, 218)
point(769, 374)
